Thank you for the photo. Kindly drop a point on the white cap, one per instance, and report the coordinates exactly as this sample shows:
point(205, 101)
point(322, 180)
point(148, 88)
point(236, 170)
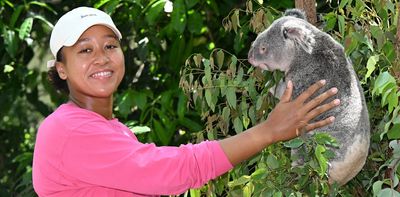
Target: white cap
point(71, 26)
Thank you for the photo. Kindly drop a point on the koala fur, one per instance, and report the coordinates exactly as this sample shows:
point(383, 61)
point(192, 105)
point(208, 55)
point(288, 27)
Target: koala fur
point(306, 55)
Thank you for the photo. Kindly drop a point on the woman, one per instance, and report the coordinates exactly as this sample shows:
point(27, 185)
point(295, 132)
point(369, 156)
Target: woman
point(81, 150)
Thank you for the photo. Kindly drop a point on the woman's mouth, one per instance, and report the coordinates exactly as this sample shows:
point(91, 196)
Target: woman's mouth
point(102, 74)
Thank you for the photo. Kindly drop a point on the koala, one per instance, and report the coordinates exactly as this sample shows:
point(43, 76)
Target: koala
point(306, 55)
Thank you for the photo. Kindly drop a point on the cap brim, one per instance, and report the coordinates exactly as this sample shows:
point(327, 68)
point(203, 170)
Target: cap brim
point(77, 34)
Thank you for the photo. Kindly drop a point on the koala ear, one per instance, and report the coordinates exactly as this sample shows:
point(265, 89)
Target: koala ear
point(296, 13)
point(300, 35)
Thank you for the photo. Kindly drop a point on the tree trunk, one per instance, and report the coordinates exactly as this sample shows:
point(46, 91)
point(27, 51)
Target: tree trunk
point(396, 66)
point(309, 8)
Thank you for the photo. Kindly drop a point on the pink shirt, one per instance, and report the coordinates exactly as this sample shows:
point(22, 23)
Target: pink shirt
point(80, 153)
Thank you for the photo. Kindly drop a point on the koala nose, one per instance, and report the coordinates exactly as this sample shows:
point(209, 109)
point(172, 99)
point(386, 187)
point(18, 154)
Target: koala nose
point(250, 54)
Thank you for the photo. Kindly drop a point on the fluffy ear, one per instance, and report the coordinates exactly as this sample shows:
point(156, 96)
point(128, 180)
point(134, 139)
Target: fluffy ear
point(299, 34)
point(296, 13)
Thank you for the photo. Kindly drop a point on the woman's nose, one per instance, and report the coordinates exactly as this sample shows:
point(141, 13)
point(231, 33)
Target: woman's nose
point(102, 58)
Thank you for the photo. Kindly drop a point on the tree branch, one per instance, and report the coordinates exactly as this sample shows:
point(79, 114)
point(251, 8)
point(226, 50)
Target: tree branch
point(309, 7)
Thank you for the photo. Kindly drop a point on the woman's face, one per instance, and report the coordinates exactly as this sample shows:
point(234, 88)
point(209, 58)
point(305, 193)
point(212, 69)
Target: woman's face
point(94, 66)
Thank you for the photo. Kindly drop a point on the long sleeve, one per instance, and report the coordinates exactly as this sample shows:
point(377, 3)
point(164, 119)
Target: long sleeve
point(79, 153)
point(104, 157)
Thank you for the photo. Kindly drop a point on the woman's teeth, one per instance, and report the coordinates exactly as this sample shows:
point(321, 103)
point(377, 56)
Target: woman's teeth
point(102, 74)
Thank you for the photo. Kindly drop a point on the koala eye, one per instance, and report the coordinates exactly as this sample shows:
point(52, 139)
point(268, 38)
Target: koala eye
point(263, 50)
point(285, 31)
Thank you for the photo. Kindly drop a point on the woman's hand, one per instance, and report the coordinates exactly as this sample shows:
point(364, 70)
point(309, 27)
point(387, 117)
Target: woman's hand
point(289, 119)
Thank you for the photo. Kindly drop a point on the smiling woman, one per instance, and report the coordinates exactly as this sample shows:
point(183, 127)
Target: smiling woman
point(94, 69)
point(82, 150)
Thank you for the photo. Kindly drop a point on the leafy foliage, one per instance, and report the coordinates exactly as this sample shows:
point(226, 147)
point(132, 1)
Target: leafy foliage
point(367, 29)
point(224, 92)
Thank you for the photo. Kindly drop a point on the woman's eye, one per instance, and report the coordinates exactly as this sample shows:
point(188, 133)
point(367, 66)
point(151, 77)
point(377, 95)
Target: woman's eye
point(85, 51)
point(111, 46)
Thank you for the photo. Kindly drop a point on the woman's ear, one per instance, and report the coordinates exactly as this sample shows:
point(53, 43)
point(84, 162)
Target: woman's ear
point(61, 70)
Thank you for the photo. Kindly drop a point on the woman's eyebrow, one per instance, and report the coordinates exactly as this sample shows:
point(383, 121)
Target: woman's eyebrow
point(82, 40)
point(111, 36)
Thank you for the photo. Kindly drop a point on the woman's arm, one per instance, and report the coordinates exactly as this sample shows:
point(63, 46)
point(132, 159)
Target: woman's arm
point(285, 122)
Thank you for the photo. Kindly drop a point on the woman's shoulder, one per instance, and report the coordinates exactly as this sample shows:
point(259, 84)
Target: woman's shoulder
point(70, 116)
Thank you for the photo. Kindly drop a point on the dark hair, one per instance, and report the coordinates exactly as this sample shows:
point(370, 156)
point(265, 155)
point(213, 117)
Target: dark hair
point(59, 84)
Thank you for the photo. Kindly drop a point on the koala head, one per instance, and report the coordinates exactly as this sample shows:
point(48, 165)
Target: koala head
point(275, 47)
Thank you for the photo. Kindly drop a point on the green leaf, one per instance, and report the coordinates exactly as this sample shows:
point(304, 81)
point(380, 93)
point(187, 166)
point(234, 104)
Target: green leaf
point(209, 99)
point(388, 192)
point(235, 20)
point(247, 190)
point(259, 103)
point(325, 139)
point(377, 187)
point(100, 3)
point(15, 15)
point(232, 66)
point(222, 83)
point(178, 17)
point(220, 58)
point(272, 162)
point(140, 99)
point(330, 19)
point(323, 162)
point(393, 101)
point(126, 102)
point(154, 12)
point(246, 121)
point(278, 194)
point(240, 181)
point(382, 81)
point(11, 42)
point(294, 143)
point(371, 65)
point(378, 34)
point(341, 24)
point(191, 3)
point(195, 23)
point(239, 76)
point(226, 112)
point(231, 97)
point(41, 18)
point(259, 174)
point(343, 3)
point(252, 114)
point(44, 5)
point(181, 107)
point(238, 125)
point(195, 192)
point(161, 132)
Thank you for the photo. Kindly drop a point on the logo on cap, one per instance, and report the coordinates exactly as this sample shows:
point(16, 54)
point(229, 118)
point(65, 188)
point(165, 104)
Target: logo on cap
point(86, 15)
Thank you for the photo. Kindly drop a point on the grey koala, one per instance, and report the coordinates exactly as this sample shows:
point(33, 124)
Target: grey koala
point(306, 55)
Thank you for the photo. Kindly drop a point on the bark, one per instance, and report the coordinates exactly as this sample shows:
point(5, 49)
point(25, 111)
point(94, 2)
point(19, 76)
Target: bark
point(308, 6)
point(396, 66)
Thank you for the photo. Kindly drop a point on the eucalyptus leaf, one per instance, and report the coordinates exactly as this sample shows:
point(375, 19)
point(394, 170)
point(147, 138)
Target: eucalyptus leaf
point(372, 61)
point(294, 143)
point(220, 58)
point(238, 125)
point(231, 97)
